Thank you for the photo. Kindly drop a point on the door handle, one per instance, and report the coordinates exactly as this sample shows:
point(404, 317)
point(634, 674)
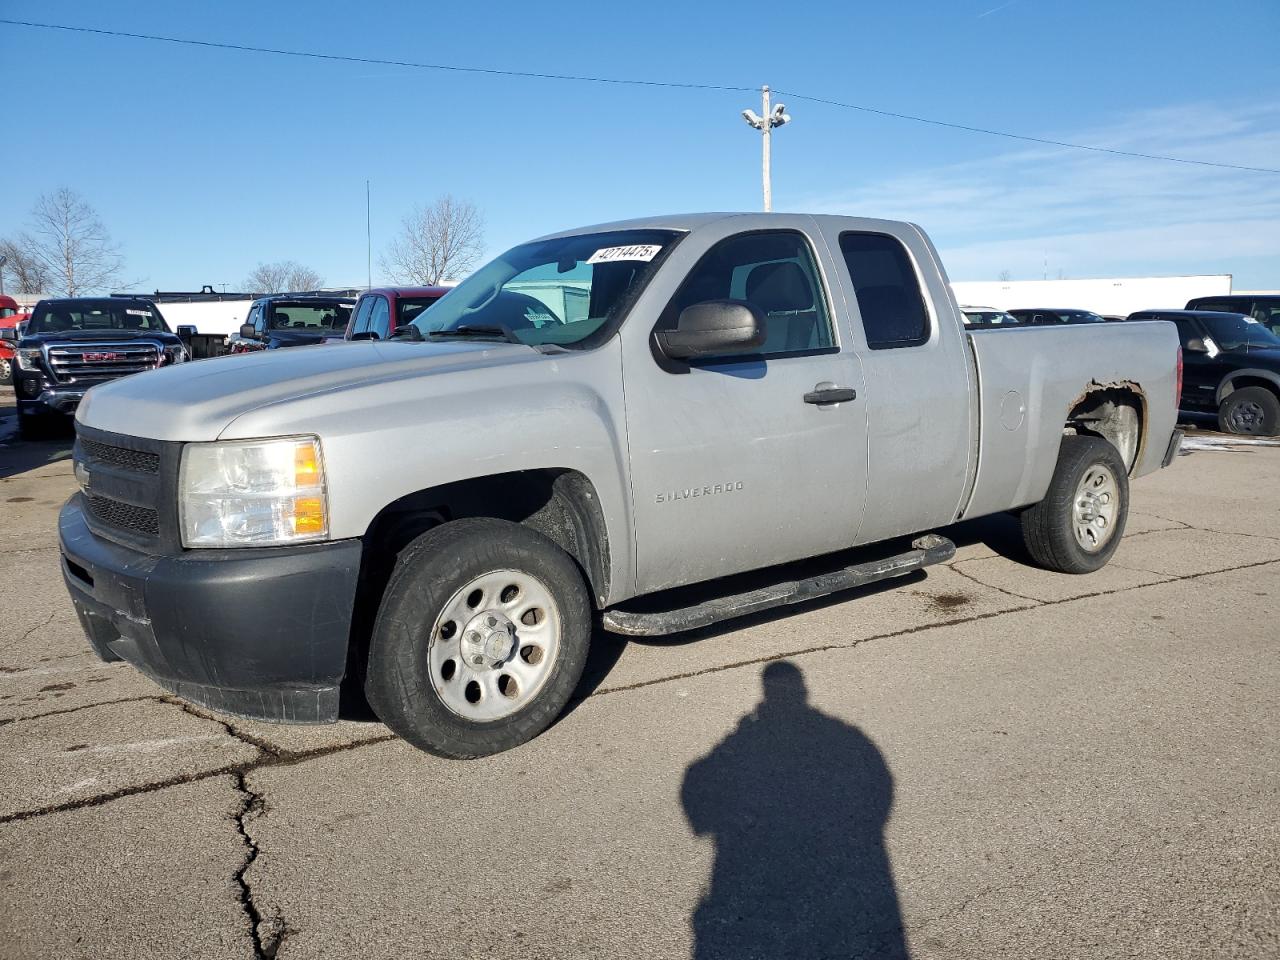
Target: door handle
point(825, 393)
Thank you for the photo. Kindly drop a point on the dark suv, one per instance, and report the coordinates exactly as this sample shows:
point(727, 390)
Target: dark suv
point(71, 345)
point(1230, 366)
point(293, 320)
point(1265, 308)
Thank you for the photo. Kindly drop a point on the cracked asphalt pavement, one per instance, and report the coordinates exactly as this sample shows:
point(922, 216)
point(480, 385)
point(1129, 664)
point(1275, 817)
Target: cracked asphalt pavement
point(984, 760)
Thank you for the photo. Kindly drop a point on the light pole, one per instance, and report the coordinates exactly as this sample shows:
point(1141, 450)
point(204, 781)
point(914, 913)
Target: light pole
point(3, 261)
point(765, 124)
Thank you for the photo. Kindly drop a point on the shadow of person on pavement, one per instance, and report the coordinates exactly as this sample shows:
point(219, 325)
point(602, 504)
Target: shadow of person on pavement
point(797, 803)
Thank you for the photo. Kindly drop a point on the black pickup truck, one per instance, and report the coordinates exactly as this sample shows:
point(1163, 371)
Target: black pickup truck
point(71, 345)
point(1231, 367)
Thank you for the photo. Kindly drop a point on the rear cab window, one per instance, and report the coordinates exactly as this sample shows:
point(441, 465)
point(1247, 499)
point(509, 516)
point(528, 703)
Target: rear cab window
point(889, 298)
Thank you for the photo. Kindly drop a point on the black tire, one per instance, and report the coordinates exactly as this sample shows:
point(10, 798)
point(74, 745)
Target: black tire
point(1049, 527)
point(1252, 411)
point(429, 573)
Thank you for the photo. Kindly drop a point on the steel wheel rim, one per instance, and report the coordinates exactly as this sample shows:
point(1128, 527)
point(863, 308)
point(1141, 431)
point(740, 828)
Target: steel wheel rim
point(1094, 510)
point(5, 368)
point(494, 645)
point(1247, 417)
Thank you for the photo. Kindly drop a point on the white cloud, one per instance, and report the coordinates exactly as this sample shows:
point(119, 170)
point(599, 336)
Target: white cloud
point(1093, 214)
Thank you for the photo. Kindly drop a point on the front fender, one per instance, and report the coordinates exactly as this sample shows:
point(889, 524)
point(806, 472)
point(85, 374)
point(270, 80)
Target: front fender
point(1228, 382)
point(386, 440)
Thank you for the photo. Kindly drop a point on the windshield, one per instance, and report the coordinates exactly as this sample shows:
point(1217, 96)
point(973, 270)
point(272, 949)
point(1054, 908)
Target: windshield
point(553, 291)
point(1239, 332)
point(988, 316)
point(1080, 316)
point(408, 308)
point(310, 316)
point(7, 312)
point(62, 317)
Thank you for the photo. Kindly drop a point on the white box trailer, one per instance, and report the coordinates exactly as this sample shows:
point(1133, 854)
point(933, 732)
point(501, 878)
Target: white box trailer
point(1109, 296)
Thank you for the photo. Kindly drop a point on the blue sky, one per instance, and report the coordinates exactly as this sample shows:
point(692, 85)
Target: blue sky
point(204, 162)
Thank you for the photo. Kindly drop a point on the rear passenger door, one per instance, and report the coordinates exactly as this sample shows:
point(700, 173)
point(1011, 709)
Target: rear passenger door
point(920, 389)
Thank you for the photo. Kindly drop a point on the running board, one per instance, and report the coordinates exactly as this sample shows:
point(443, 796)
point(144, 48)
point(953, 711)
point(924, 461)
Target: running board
point(926, 551)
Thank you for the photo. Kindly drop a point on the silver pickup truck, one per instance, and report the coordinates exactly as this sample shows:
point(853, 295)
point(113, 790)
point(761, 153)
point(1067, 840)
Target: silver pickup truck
point(441, 518)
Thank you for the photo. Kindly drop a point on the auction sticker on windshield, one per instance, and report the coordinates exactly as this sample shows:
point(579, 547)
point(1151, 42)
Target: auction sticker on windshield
point(637, 251)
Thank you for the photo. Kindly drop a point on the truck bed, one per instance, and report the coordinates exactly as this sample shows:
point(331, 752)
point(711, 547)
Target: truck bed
point(1031, 378)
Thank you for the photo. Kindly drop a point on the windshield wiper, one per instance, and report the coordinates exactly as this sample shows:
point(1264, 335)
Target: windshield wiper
point(478, 332)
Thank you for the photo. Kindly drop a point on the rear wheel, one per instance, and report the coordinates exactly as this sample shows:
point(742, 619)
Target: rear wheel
point(6, 371)
point(1077, 526)
point(480, 640)
point(1252, 411)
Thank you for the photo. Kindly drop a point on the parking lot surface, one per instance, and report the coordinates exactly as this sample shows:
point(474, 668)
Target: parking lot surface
point(986, 760)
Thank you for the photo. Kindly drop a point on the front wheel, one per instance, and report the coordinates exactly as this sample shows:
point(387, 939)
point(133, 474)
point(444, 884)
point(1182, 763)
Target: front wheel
point(1252, 411)
point(6, 371)
point(1077, 526)
point(481, 638)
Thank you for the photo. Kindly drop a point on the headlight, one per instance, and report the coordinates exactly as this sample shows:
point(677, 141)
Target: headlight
point(252, 493)
point(28, 358)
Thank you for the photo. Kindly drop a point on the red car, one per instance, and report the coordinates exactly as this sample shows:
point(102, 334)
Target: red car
point(10, 316)
point(372, 319)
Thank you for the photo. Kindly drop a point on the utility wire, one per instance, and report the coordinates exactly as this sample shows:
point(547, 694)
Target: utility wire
point(1019, 136)
point(345, 58)
point(625, 81)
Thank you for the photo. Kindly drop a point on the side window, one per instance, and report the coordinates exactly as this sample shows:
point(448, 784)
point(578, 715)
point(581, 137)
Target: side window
point(776, 272)
point(255, 317)
point(361, 322)
point(889, 299)
point(380, 317)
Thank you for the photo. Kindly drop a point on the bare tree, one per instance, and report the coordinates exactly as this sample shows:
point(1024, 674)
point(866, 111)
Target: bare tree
point(21, 272)
point(1005, 276)
point(439, 241)
point(71, 246)
point(285, 276)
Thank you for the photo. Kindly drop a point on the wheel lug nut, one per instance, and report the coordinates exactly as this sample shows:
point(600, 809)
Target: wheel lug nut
point(493, 622)
point(477, 660)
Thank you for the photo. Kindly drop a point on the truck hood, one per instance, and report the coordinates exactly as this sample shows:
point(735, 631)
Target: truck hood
point(198, 400)
point(1266, 357)
point(298, 338)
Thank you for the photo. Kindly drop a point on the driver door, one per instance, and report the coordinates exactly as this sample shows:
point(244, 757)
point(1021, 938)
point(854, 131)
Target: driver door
point(734, 465)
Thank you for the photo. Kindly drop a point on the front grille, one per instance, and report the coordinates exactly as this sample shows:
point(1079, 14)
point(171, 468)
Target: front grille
point(138, 461)
point(126, 516)
point(99, 360)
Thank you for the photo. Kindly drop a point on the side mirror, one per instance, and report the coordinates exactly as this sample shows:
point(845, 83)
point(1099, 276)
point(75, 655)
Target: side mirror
point(9, 333)
point(248, 332)
point(186, 331)
point(713, 328)
point(1196, 345)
